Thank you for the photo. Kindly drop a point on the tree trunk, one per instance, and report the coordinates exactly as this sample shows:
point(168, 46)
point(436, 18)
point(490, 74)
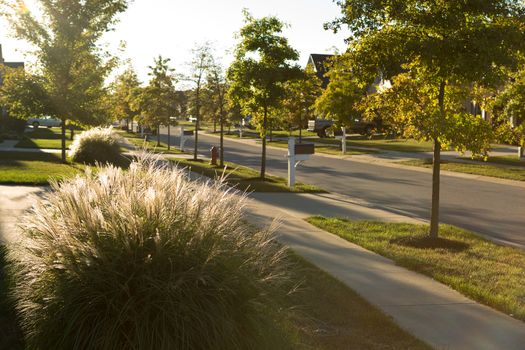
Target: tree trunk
point(197, 121)
point(263, 156)
point(64, 140)
point(300, 129)
point(221, 145)
point(158, 135)
point(169, 136)
point(71, 132)
point(436, 167)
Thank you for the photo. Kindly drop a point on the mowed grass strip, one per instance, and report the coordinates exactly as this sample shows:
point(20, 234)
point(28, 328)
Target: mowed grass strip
point(244, 178)
point(480, 269)
point(151, 145)
point(503, 172)
point(325, 149)
point(381, 142)
point(44, 138)
point(33, 168)
point(321, 314)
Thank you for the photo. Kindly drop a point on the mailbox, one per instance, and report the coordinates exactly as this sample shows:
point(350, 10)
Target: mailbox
point(188, 133)
point(304, 148)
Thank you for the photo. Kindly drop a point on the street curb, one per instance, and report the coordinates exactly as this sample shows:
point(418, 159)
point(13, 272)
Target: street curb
point(495, 180)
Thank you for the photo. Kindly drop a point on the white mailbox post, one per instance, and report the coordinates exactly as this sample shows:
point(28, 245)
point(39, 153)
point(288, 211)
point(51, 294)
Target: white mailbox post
point(184, 136)
point(296, 154)
point(342, 137)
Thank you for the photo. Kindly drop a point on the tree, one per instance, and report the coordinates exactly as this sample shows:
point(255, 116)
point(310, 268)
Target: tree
point(340, 100)
point(71, 66)
point(433, 51)
point(199, 65)
point(260, 70)
point(23, 92)
point(217, 87)
point(125, 91)
point(157, 101)
point(300, 97)
point(508, 110)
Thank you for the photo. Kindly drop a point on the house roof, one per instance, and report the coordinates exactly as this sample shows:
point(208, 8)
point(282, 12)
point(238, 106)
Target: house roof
point(318, 62)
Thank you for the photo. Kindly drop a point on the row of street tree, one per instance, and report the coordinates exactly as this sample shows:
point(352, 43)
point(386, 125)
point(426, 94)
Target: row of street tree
point(413, 64)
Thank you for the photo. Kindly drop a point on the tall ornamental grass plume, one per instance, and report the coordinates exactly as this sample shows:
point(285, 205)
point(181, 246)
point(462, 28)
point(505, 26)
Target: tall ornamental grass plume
point(97, 145)
point(143, 258)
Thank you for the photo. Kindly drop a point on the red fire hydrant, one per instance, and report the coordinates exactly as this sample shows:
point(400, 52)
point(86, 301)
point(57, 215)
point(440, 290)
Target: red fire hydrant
point(214, 155)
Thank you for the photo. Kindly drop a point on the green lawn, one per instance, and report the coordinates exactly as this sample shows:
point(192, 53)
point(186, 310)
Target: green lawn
point(47, 138)
point(151, 145)
point(482, 270)
point(245, 178)
point(325, 149)
point(503, 160)
point(382, 143)
point(30, 168)
point(510, 173)
point(321, 314)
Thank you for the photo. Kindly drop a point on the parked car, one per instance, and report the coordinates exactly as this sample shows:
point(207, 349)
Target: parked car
point(192, 119)
point(44, 121)
point(322, 126)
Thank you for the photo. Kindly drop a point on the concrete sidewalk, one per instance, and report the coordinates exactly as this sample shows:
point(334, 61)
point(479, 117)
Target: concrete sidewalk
point(430, 310)
point(14, 202)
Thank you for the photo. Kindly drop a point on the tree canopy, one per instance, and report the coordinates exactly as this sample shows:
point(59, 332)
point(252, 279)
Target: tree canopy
point(433, 52)
point(71, 67)
point(157, 101)
point(263, 64)
point(125, 91)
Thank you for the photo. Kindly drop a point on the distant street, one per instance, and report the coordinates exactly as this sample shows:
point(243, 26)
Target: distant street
point(495, 210)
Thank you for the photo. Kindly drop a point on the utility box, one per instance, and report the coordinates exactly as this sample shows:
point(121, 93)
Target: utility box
point(304, 148)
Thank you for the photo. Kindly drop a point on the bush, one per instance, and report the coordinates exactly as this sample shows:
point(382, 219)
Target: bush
point(143, 259)
point(97, 145)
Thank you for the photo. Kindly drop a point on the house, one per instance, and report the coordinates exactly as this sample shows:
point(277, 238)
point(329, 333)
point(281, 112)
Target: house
point(318, 63)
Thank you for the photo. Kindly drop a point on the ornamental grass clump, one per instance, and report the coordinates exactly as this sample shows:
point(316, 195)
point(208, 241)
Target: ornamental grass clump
point(97, 145)
point(143, 258)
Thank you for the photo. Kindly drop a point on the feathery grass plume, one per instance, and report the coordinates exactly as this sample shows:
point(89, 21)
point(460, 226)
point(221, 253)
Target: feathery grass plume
point(97, 145)
point(143, 259)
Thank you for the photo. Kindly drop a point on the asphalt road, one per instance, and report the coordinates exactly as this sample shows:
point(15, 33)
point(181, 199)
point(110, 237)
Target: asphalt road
point(491, 209)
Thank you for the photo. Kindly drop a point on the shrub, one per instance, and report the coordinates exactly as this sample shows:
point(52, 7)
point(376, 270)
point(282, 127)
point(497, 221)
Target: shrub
point(143, 259)
point(97, 145)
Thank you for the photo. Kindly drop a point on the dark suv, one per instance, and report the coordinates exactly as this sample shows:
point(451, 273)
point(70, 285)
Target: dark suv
point(321, 127)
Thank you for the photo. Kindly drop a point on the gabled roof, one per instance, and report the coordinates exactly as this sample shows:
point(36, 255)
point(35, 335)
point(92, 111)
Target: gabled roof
point(318, 62)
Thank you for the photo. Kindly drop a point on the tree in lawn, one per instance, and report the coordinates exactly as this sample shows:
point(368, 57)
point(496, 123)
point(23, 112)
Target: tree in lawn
point(199, 65)
point(508, 110)
point(340, 100)
point(444, 47)
point(23, 93)
point(125, 91)
point(299, 101)
point(65, 37)
point(260, 70)
point(218, 87)
point(157, 101)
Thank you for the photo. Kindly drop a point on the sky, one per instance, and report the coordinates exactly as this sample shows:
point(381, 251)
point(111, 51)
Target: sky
point(171, 28)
